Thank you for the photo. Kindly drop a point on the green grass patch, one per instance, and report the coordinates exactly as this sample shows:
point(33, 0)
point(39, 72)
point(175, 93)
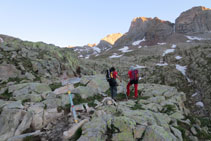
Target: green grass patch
point(45, 106)
point(55, 86)
point(25, 100)
point(32, 138)
point(205, 121)
point(183, 129)
point(6, 95)
point(202, 135)
point(78, 84)
point(90, 100)
point(16, 79)
point(137, 106)
point(77, 135)
point(168, 109)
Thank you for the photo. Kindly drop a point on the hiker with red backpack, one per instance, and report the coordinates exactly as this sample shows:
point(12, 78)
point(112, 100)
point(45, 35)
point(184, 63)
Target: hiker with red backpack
point(111, 76)
point(133, 75)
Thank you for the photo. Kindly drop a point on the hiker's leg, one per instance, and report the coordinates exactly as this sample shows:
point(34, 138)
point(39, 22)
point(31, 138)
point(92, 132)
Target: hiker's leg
point(112, 93)
point(128, 88)
point(136, 90)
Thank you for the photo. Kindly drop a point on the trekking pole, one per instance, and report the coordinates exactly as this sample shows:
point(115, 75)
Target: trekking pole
point(124, 90)
point(72, 107)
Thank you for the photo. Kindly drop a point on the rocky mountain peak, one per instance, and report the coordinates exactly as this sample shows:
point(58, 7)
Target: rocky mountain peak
point(111, 38)
point(152, 29)
point(91, 45)
point(194, 20)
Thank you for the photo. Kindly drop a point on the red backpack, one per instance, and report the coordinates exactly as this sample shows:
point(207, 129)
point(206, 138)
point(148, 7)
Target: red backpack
point(134, 75)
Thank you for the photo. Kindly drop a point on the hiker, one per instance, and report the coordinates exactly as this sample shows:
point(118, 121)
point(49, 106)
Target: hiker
point(111, 78)
point(78, 71)
point(133, 75)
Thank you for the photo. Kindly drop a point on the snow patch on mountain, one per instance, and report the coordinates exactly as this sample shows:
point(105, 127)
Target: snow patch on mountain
point(138, 42)
point(139, 67)
point(173, 46)
point(162, 64)
point(195, 94)
point(125, 49)
point(182, 69)
point(178, 57)
point(115, 55)
point(96, 49)
point(161, 43)
point(194, 38)
point(200, 104)
point(168, 51)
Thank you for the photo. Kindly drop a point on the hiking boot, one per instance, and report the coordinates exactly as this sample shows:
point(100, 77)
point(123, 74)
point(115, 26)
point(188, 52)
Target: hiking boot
point(135, 97)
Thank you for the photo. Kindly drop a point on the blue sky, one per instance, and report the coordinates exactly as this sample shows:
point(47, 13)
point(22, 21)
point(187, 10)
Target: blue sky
point(79, 22)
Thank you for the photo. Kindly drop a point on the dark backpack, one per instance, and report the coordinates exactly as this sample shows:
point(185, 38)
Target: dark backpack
point(134, 75)
point(110, 78)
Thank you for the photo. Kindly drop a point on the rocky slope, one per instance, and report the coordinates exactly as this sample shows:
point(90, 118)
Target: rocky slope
point(174, 87)
point(92, 50)
point(195, 20)
point(150, 30)
point(159, 113)
point(20, 59)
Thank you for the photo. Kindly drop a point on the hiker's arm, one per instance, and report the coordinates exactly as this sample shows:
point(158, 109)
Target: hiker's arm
point(118, 78)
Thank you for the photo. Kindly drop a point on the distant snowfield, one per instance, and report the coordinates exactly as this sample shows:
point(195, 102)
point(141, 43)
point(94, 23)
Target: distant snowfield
point(139, 67)
point(87, 57)
point(115, 55)
point(173, 46)
point(191, 38)
point(96, 49)
point(194, 38)
point(138, 42)
point(161, 43)
point(125, 49)
point(182, 69)
point(178, 57)
point(168, 51)
point(140, 47)
point(201, 104)
point(195, 94)
point(162, 64)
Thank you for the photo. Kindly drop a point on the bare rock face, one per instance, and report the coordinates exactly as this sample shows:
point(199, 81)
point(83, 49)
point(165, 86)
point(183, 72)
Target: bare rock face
point(152, 30)
point(194, 20)
point(108, 41)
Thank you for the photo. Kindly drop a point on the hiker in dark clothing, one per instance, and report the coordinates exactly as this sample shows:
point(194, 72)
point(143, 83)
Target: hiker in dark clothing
point(112, 75)
point(78, 71)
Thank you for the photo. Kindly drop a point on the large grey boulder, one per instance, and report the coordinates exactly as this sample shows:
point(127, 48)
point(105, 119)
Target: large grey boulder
point(8, 71)
point(94, 130)
point(63, 90)
point(37, 120)
point(158, 133)
point(14, 105)
point(99, 83)
point(51, 115)
point(85, 92)
point(21, 91)
point(194, 20)
point(25, 124)
point(9, 121)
